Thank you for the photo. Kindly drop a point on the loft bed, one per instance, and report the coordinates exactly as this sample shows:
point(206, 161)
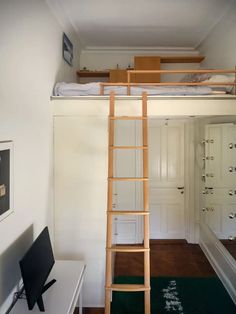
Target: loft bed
point(90, 114)
point(195, 82)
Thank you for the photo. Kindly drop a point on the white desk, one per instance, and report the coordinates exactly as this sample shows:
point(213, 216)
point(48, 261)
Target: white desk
point(62, 296)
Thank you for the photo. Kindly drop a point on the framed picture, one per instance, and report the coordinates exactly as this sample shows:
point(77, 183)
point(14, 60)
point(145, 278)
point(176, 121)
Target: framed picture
point(6, 179)
point(67, 50)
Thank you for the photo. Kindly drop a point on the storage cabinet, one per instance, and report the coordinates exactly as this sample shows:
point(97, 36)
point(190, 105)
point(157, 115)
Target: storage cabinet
point(220, 178)
point(118, 76)
point(147, 63)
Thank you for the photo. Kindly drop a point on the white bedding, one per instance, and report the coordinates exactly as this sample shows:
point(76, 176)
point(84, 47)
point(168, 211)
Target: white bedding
point(93, 89)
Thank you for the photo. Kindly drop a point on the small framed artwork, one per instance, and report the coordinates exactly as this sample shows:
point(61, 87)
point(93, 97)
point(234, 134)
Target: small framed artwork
point(67, 50)
point(6, 179)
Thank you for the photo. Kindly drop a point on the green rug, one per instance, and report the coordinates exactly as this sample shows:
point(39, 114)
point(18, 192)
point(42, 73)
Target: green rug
point(175, 296)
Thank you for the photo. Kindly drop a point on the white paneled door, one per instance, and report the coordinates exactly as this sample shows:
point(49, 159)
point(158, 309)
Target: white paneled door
point(166, 174)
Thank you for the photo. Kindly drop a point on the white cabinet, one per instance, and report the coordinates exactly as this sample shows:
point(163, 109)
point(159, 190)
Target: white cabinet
point(62, 296)
point(220, 176)
point(220, 155)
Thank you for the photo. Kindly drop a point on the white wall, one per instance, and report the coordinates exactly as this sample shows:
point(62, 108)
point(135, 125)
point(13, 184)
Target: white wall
point(106, 58)
point(30, 63)
point(219, 47)
point(80, 173)
point(102, 59)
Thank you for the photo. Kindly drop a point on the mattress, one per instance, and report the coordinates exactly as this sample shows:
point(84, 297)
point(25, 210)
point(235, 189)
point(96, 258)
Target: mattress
point(93, 89)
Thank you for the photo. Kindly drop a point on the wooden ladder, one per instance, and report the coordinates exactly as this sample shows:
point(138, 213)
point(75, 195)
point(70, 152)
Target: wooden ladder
point(110, 248)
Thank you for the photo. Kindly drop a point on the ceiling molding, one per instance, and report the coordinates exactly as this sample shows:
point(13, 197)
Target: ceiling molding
point(63, 19)
point(220, 18)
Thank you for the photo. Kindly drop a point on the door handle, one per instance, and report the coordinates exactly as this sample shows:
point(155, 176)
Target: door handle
point(180, 187)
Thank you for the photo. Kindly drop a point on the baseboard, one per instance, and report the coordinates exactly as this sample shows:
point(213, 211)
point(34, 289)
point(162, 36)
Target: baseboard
point(167, 241)
point(216, 265)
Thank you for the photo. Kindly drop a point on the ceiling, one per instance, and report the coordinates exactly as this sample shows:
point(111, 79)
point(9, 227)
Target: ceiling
point(143, 23)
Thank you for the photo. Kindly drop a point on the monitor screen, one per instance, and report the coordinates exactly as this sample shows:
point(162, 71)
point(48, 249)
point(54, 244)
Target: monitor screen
point(35, 267)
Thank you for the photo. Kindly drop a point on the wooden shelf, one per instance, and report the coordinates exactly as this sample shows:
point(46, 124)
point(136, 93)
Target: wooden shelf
point(93, 73)
point(120, 75)
point(182, 59)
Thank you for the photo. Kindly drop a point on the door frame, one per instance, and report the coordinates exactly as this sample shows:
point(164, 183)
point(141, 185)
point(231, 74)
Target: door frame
point(191, 234)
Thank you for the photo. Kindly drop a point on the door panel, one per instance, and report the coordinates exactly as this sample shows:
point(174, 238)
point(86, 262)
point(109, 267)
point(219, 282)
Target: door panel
point(166, 151)
point(166, 174)
point(167, 219)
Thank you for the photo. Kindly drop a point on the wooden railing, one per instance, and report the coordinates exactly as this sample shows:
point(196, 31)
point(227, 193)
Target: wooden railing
point(129, 84)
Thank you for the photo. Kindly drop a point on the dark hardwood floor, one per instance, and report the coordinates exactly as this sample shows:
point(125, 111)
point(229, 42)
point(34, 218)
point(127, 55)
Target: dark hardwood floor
point(174, 258)
point(230, 246)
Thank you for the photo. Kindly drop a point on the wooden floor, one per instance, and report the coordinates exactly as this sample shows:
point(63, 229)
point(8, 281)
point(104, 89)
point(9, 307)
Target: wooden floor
point(230, 246)
point(168, 258)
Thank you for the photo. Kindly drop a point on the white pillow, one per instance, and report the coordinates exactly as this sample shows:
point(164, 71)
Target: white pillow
point(219, 78)
point(195, 77)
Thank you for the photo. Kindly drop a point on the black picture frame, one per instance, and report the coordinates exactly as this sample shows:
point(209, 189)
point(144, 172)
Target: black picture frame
point(6, 178)
point(67, 50)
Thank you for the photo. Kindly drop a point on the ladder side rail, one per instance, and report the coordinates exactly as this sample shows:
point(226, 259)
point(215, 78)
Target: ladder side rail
point(146, 206)
point(109, 206)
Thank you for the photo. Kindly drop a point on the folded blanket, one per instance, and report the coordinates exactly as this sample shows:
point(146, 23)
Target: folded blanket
point(93, 89)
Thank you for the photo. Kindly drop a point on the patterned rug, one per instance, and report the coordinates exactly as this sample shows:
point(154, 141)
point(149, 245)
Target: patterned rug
point(175, 295)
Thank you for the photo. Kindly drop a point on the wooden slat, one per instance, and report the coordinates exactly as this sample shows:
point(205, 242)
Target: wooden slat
point(127, 179)
point(172, 84)
point(127, 287)
point(128, 147)
point(93, 73)
point(181, 71)
point(127, 248)
point(182, 59)
point(128, 212)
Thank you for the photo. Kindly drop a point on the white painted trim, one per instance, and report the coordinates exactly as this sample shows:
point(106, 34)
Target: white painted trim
point(209, 235)
point(188, 51)
point(189, 179)
point(220, 17)
point(139, 48)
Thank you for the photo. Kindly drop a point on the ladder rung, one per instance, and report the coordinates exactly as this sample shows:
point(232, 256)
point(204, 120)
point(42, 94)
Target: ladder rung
point(127, 118)
point(128, 212)
point(128, 248)
point(128, 147)
point(128, 287)
point(128, 179)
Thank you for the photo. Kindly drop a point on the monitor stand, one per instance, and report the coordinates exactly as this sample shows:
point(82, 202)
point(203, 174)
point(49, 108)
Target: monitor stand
point(40, 299)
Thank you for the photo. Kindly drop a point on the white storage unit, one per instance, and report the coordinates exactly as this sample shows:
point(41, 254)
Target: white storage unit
point(220, 178)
